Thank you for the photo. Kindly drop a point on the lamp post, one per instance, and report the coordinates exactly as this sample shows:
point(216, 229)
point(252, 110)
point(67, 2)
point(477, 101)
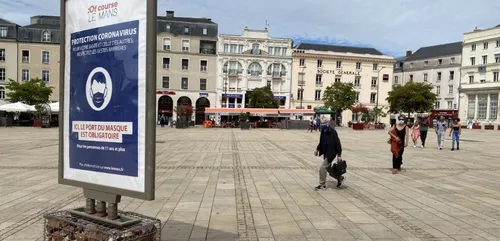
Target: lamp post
point(302, 85)
point(378, 87)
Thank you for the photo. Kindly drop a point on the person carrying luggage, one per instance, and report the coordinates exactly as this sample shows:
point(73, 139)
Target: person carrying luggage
point(329, 148)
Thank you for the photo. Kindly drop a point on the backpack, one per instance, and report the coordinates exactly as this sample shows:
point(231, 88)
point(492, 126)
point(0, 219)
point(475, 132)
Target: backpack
point(337, 169)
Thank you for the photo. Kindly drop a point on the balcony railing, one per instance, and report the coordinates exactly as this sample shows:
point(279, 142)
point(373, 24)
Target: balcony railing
point(319, 84)
point(276, 74)
point(357, 86)
point(185, 49)
point(302, 82)
point(207, 51)
point(203, 68)
point(166, 47)
point(254, 72)
point(26, 59)
point(185, 67)
point(234, 72)
point(374, 87)
point(166, 66)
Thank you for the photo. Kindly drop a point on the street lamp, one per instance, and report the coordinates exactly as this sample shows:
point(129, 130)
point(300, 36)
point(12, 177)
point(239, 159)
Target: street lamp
point(302, 85)
point(378, 87)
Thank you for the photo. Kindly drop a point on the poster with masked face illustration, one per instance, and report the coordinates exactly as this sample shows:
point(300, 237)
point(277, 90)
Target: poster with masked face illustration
point(105, 86)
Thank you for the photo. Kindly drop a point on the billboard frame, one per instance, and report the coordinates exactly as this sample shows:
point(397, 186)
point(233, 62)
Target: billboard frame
point(107, 193)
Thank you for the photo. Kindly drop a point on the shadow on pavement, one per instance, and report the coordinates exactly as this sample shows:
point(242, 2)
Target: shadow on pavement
point(179, 231)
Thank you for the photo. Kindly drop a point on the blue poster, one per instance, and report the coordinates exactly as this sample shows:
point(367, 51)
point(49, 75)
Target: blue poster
point(103, 99)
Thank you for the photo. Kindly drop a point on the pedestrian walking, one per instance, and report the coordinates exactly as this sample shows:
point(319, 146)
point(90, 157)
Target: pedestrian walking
point(162, 121)
point(415, 133)
point(440, 129)
point(424, 127)
point(399, 140)
point(330, 149)
point(455, 133)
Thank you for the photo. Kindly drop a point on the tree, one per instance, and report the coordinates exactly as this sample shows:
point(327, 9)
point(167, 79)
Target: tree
point(374, 114)
point(32, 92)
point(359, 109)
point(263, 98)
point(411, 97)
point(339, 97)
point(184, 112)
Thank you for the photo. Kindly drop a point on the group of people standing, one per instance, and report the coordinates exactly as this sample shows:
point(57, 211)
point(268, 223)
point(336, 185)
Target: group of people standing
point(401, 131)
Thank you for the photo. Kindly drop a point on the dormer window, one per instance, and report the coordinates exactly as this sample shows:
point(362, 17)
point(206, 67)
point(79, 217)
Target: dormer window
point(186, 30)
point(255, 49)
point(46, 36)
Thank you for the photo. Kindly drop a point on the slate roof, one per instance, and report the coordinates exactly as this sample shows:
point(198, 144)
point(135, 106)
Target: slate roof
point(42, 26)
point(7, 22)
point(337, 48)
point(184, 19)
point(436, 51)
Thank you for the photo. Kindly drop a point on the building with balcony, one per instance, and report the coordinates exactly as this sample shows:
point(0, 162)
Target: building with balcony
point(8, 55)
point(252, 60)
point(480, 82)
point(397, 77)
point(439, 66)
point(316, 66)
point(186, 63)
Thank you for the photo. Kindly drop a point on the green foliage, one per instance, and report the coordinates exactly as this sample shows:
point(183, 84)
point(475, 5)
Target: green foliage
point(339, 96)
point(411, 98)
point(184, 110)
point(373, 114)
point(32, 92)
point(244, 116)
point(263, 98)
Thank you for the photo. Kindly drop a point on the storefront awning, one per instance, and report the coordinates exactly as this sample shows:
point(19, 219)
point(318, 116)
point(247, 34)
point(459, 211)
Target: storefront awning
point(259, 112)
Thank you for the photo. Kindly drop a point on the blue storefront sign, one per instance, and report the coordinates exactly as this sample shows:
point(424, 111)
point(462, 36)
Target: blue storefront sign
point(203, 94)
point(280, 97)
point(237, 96)
point(103, 99)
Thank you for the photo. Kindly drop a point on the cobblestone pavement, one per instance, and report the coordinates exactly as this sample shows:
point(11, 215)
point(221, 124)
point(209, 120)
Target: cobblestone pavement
point(257, 185)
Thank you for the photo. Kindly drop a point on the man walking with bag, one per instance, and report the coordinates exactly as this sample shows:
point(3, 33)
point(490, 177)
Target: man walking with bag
point(329, 148)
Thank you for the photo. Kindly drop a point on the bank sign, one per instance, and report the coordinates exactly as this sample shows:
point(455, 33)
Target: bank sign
point(105, 93)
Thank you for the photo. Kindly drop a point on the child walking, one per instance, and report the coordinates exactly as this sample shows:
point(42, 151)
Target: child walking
point(415, 134)
point(455, 132)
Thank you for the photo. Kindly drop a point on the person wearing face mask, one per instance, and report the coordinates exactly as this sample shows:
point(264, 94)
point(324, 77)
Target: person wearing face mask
point(399, 140)
point(329, 148)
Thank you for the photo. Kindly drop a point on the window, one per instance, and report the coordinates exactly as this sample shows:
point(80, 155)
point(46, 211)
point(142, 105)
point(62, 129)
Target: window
point(452, 60)
point(450, 105)
point(45, 75)
point(45, 57)
point(276, 51)
point(205, 31)
point(495, 76)
point(166, 44)
point(373, 97)
point(339, 64)
point(358, 65)
point(270, 50)
point(226, 48)
point(438, 90)
point(254, 69)
point(320, 63)
point(425, 77)
point(497, 59)
point(482, 106)
point(450, 89)
point(3, 32)
point(472, 61)
point(255, 49)
point(25, 74)
point(337, 78)
point(203, 65)
point(25, 56)
point(493, 106)
point(426, 63)
point(439, 76)
point(165, 82)
point(2, 74)
point(375, 66)
point(166, 63)
point(2, 54)
point(471, 106)
point(411, 65)
point(300, 94)
point(318, 79)
point(2, 93)
point(498, 43)
point(284, 51)
point(440, 61)
point(396, 79)
point(203, 84)
point(357, 81)
point(46, 36)
point(301, 79)
point(233, 48)
point(240, 48)
point(437, 105)
point(485, 59)
point(452, 75)
point(185, 64)
point(357, 97)
point(471, 79)
point(473, 47)
point(485, 45)
point(167, 28)
point(302, 62)
point(186, 30)
point(317, 95)
point(184, 83)
point(185, 45)
point(374, 82)
point(411, 77)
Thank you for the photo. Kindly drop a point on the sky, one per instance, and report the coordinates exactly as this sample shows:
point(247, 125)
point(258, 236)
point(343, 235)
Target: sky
point(391, 26)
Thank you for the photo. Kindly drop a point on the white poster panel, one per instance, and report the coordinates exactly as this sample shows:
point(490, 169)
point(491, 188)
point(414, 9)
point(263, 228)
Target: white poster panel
point(104, 93)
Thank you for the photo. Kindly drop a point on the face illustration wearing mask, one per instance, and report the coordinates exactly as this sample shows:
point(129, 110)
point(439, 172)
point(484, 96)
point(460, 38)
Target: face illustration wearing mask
point(98, 89)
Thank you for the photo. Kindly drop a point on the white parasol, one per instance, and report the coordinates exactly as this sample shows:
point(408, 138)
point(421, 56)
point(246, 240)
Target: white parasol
point(17, 107)
point(54, 107)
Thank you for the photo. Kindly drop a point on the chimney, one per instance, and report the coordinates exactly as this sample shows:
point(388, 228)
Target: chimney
point(408, 53)
point(170, 14)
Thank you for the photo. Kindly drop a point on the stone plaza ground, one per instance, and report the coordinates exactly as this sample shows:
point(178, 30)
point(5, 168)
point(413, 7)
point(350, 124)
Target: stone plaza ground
point(257, 185)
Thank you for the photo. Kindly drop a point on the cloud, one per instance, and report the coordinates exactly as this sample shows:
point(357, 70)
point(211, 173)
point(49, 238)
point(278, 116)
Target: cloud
point(392, 26)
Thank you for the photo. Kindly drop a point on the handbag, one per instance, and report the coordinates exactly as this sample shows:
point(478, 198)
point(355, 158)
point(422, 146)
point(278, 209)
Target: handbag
point(337, 169)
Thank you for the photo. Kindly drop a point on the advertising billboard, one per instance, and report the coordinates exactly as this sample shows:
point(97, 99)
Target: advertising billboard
point(107, 137)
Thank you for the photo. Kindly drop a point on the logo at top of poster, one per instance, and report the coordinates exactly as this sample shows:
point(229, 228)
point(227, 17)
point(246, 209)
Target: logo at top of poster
point(99, 89)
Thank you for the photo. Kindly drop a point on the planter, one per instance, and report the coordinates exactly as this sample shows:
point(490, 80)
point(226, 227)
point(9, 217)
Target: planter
point(358, 126)
point(191, 123)
point(37, 123)
point(181, 124)
point(489, 127)
point(245, 125)
point(476, 127)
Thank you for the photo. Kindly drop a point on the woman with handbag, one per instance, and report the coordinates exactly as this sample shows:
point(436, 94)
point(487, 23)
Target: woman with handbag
point(399, 135)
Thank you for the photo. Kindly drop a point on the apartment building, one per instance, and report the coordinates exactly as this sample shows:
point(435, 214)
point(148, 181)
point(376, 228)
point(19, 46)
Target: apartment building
point(480, 84)
point(397, 78)
point(253, 60)
point(187, 64)
point(316, 66)
point(30, 51)
point(439, 66)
